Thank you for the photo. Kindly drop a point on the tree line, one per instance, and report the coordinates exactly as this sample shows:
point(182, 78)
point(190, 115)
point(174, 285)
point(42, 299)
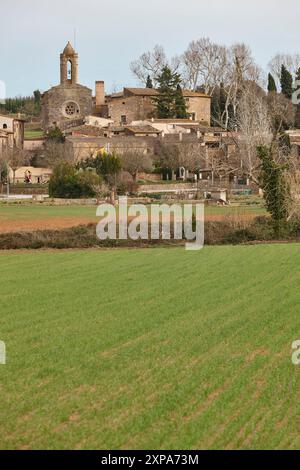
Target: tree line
point(29, 105)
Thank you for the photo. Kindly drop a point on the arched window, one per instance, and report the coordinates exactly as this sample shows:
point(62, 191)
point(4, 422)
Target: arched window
point(69, 69)
point(4, 126)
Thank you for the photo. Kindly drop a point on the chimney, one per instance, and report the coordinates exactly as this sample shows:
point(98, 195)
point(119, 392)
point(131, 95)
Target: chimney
point(100, 94)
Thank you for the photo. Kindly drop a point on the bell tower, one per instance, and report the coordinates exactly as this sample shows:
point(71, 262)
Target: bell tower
point(68, 66)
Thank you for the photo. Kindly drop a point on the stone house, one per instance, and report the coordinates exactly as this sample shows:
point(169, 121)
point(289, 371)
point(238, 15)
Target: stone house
point(134, 104)
point(12, 131)
point(84, 146)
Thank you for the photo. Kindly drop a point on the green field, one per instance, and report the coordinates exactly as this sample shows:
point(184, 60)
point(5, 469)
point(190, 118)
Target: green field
point(33, 131)
point(44, 211)
point(154, 348)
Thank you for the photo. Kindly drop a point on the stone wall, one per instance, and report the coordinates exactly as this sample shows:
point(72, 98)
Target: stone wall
point(54, 101)
point(135, 108)
point(200, 108)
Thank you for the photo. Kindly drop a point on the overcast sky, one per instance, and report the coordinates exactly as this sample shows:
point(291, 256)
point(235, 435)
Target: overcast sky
point(111, 33)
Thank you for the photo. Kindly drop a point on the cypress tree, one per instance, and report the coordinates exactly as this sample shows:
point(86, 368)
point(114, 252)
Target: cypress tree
point(149, 83)
point(167, 92)
point(286, 81)
point(179, 105)
point(271, 84)
point(276, 191)
point(215, 107)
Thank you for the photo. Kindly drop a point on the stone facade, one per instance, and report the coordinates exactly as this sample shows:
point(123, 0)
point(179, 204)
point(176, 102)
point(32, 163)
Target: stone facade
point(69, 100)
point(136, 104)
point(12, 132)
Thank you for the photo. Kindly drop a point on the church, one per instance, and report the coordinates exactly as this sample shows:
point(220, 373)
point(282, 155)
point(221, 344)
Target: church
point(69, 101)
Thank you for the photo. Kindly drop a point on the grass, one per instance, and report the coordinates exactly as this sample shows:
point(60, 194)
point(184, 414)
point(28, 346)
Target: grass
point(33, 131)
point(44, 211)
point(156, 348)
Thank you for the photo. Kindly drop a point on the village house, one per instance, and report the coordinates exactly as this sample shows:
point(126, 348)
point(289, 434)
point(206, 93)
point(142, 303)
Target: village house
point(11, 132)
point(133, 104)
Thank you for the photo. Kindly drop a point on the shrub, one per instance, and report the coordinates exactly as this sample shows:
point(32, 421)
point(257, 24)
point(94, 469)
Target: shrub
point(67, 182)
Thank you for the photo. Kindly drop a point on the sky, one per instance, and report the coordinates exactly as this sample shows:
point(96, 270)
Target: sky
point(112, 33)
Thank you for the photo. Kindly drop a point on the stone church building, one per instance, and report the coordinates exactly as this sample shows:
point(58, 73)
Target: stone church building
point(69, 101)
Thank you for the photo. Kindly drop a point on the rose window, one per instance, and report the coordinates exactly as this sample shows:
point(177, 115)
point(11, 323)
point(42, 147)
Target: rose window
point(71, 109)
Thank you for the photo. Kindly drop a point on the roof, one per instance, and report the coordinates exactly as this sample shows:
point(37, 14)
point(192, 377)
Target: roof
point(154, 92)
point(209, 129)
point(194, 94)
point(120, 94)
point(176, 121)
point(10, 116)
point(85, 130)
point(146, 129)
point(68, 50)
point(142, 91)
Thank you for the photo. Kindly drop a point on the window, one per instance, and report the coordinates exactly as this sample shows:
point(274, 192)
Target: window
point(70, 109)
point(193, 115)
point(4, 126)
point(69, 69)
point(123, 119)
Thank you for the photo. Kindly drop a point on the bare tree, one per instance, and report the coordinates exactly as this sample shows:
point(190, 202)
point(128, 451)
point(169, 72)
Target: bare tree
point(204, 64)
point(150, 63)
point(56, 152)
point(255, 127)
point(290, 61)
point(282, 113)
point(134, 160)
point(15, 158)
point(191, 156)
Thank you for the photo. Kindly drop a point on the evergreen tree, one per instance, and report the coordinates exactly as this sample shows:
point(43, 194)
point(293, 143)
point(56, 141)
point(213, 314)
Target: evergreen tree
point(271, 84)
point(55, 134)
point(276, 191)
point(37, 97)
point(286, 82)
point(149, 83)
point(297, 88)
point(167, 93)
point(215, 107)
point(179, 105)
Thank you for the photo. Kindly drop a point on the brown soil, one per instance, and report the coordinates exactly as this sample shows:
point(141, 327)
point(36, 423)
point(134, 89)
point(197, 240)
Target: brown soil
point(7, 226)
point(55, 223)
